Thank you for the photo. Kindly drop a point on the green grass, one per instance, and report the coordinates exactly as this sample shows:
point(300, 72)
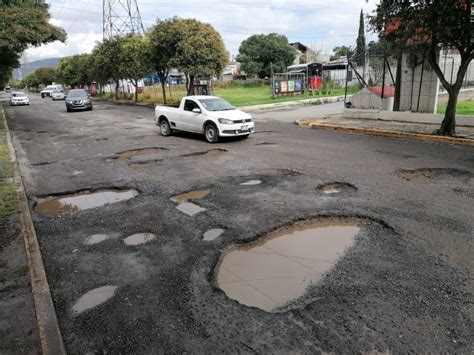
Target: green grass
point(463, 107)
point(8, 197)
point(237, 95)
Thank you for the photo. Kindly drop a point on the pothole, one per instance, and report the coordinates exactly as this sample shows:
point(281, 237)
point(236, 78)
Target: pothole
point(189, 208)
point(336, 187)
point(277, 269)
point(96, 239)
point(94, 298)
point(433, 174)
point(84, 200)
point(251, 183)
point(191, 195)
point(133, 153)
point(212, 234)
point(139, 238)
point(265, 143)
point(209, 152)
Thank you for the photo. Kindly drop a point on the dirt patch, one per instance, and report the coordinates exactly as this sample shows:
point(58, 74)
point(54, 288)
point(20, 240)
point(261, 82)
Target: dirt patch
point(210, 152)
point(277, 269)
point(331, 188)
point(426, 174)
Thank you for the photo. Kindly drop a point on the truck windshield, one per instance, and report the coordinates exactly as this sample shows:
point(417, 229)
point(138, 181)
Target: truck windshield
point(215, 104)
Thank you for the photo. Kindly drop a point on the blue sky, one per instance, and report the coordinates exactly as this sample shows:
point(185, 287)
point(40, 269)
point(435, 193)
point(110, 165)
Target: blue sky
point(321, 24)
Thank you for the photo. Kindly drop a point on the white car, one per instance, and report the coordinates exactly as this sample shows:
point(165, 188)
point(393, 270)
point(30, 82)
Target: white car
point(49, 89)
point(19, 98)
point(58, 95)
point(208, 115)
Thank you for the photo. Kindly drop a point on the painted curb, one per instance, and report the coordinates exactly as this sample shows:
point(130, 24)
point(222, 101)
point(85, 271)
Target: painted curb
point(48, 326)
point(385, 133)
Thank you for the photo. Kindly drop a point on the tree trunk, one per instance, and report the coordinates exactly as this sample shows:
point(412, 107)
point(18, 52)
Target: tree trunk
point(163, 89)
point(116, 89)
point(398, 83)
point(448, 126)
point(190, 84)
point(136, 90)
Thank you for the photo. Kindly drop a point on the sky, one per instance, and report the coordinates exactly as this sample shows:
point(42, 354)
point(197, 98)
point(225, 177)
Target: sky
point(320, 24)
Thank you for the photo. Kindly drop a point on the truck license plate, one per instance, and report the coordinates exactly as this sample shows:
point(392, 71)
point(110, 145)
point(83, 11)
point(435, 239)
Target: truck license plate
point(245, 127)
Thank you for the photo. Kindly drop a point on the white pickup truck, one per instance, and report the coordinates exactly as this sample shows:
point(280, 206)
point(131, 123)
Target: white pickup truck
point(208, 115)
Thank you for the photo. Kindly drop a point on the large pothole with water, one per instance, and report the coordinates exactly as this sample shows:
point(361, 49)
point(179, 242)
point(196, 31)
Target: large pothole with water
point(332, 188)
point(427, 174)
point(277, 269)
point(83, 200)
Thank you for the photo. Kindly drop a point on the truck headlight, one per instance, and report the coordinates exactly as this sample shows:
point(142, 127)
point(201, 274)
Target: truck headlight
point(225, 121)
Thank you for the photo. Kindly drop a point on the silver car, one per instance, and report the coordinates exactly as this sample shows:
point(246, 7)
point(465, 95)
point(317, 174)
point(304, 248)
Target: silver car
point(58, 95)
point(19, 98)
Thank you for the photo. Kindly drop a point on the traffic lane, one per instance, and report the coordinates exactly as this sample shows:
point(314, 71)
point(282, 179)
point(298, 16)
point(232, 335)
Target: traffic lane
point(165, 291)
point(291, 114)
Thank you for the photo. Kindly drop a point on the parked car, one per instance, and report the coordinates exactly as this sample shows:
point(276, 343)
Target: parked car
point(19, 98)
point(8, 89)
point(58, 95)
point(78, 99)
point(49, 89)
point(208, 115)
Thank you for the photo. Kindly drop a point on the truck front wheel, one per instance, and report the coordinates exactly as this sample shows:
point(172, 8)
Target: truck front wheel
point(211, 133)
point(165, 128)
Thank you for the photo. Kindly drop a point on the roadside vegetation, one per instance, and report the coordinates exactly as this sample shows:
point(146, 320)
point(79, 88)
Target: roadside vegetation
point(462, 108)
point(8, 198)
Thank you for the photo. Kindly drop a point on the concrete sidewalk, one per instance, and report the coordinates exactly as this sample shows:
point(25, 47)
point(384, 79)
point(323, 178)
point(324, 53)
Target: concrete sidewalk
point(407, 130)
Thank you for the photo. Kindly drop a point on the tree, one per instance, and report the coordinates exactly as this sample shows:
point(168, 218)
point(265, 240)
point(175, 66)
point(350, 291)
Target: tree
point(360, 47)
point(75, 71)
point(163, 43)
point(340, 52)
point(259, 53)
point(200, 51)
point(46, 76)
point(106, 62)
point(23, 23)
point(29, 81)
point(429, 26)
point(135, 61)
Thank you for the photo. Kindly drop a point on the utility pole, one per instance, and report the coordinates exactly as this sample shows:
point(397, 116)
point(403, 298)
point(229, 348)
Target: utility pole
point(121, 17)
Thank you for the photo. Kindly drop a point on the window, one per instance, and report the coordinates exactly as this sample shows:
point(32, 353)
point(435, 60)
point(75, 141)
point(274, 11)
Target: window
point(190, 105)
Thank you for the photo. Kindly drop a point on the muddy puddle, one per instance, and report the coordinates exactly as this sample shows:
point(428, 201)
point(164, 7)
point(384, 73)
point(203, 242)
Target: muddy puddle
point(191, 195)
point(139, 238)
point(332, 188)
point(210, 153)
point(278, 268)
point(135, 153)
point(94, 298)
point(82, 201)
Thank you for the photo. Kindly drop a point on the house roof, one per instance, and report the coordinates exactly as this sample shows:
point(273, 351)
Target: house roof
point(389, 91)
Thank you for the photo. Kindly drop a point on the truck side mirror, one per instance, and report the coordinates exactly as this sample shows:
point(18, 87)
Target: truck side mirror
point(196, 110)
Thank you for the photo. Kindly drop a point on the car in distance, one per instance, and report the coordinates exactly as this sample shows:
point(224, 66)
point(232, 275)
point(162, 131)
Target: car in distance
point(208, 115)
point(58, 95)
point(78, 99)
point(19, 98)
point(46, 92)
point(8, 89)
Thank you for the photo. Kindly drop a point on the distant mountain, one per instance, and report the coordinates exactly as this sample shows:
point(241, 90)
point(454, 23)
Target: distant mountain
point(42, 63)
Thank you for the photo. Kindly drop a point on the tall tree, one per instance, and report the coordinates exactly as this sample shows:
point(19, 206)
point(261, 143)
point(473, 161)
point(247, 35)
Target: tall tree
point(46, 76)
point(75, 70)
point(164, 37)
point(259, 53)
point(340, 52)
point(360, 47)
point(429, 26)
point(200, 51)
point(23, 23)
point(135, 62)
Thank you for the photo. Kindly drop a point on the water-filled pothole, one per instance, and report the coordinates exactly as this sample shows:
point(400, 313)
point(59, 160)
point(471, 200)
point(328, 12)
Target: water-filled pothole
point(433, 174)
point(84, 200)
point(209, 152)
point(94, 298)
point(251, 183)
point(139, 238)
point(191, 195)
point(129, 154)
point(275, 270)
point(212, 234)
point(336, 187)
point(96, 239)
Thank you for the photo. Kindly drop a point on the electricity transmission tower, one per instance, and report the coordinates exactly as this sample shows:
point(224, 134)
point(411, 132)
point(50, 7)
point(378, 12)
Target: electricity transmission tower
point(121, 17)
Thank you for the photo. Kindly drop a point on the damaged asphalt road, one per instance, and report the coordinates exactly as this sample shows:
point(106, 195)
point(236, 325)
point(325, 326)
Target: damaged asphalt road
point(405, 284)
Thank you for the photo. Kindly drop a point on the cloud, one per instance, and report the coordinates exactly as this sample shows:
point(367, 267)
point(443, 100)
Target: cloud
point(321, 24)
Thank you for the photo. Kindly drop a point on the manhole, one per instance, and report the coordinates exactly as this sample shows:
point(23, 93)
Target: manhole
point(94, 298)
point(82, 201)
point(336, 187)
point(139, 238)
point(433, 174)
point(275, 270)
point(209, 152)
point(212, 234)
point(191, 195)
point(96, 239)
point(251, 183)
